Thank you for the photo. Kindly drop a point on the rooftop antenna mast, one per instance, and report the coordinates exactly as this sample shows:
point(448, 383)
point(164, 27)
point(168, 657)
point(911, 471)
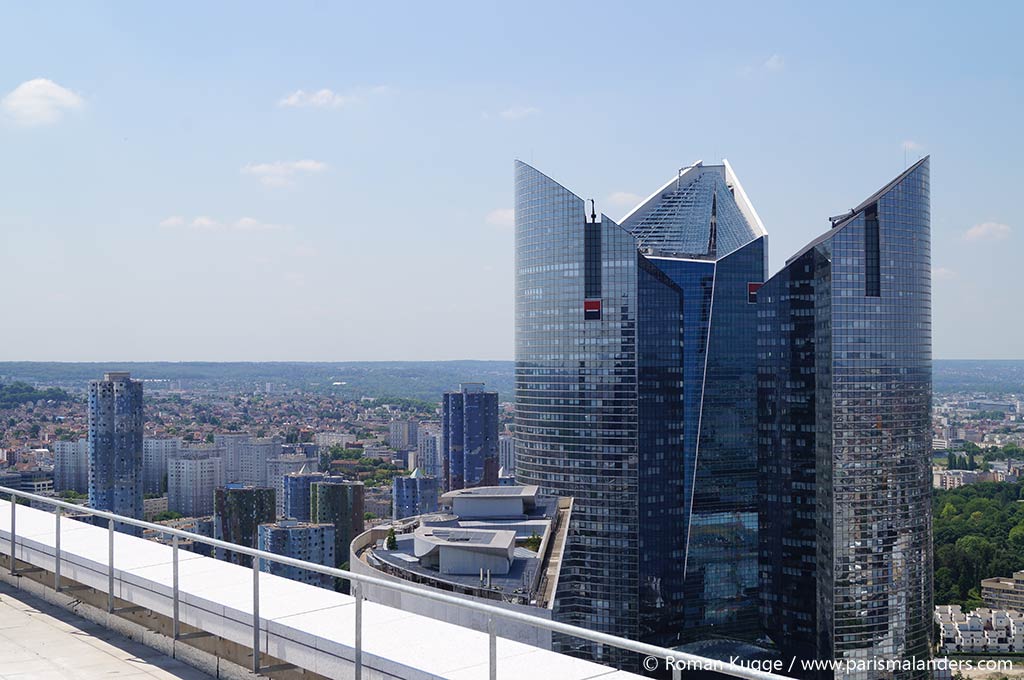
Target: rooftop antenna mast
point(593, 212)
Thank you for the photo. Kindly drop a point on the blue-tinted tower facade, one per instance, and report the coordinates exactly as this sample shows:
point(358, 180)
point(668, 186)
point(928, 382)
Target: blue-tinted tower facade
point(844, 413)
point(115, 445)
point(303, 541)
point(414, 495)
point(297, 487)
point(469, 437)
point(636, 394)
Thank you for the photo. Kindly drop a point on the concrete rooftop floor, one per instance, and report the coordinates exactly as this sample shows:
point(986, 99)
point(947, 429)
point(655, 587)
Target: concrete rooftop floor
point(39, 641)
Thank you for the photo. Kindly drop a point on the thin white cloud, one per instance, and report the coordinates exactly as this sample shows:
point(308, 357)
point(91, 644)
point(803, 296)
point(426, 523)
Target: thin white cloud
point(250, 224)
point(988, 231)
point(502, 217)
point(204, 222)
point(944, 274)
point(624, 198)
point(282, 173)
point(173, 221)
point(207, 223)
point(519, 112)
point(39, 102)
point(772, 64)
point(329, 99)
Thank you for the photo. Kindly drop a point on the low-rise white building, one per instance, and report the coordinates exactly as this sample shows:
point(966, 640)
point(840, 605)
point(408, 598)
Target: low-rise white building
point(988, 631)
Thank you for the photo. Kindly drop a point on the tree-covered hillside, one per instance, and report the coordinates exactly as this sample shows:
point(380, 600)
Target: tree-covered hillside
point(979, 533)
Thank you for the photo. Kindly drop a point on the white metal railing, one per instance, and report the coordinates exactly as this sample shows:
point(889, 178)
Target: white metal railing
point(661, 654)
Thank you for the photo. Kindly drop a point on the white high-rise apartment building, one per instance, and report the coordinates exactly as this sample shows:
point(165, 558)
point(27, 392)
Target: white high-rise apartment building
point(71, 466)
point(245, 459)
point(155, 453)
point(428, 453)
point(192, 475)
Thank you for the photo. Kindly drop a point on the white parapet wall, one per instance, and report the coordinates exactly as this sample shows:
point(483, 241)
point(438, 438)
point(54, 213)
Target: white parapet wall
point(300, 624)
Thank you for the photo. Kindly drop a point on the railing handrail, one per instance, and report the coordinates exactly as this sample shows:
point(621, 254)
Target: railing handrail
point(660, 653)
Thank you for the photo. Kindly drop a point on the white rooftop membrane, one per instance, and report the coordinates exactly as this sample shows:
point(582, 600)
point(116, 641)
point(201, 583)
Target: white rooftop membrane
point(301, 624)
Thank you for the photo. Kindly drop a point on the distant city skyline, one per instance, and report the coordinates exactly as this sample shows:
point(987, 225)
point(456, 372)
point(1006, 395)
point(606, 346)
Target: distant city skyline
point(311, 203)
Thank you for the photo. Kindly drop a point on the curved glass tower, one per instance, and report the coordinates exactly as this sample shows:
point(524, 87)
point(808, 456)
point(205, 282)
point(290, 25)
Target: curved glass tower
point(845, 438)
point(635, 394)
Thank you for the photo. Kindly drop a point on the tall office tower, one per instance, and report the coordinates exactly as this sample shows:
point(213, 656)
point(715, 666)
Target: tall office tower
point(296, 486)
point(281, 466)
point(247, 457)
point(414, 495)
point(507, 454)
point(71, 466)
point(155, 453)
point(341, 504)
point(402, 434)
point(845, 436)
point(303, 541)
point(193, 474)
point(428, 453)
point(635, 393)
point(238, 511)
point(115, 445)
point(469, 437)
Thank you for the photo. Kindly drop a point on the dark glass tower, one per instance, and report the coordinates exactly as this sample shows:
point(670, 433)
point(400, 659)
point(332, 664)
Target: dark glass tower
point(635, 394)
point(341, 504)
point(845, 437)
point(469, 437)
point(239, 510)
point(115, 445)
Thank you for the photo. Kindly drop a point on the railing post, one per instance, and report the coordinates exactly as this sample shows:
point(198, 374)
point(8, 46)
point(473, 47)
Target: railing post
point(14, 505)
point(492, 646)
point(357, 592)
point(174, 585)
point(256, 615)
point(56, 553)
point(110, 566)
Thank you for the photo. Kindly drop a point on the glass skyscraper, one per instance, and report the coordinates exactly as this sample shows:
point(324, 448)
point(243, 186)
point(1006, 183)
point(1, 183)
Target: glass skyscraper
point(469, 437)
point(115, 446)
point(844, 410)
point(414, 495)
point(636, 394)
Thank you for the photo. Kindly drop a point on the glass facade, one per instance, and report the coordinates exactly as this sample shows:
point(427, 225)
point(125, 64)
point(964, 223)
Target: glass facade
point(239, 510)
point(341, 504)
point(627, 338)
point(302, 541)
point(469, 437)
point(414, 495)
point(296, 486)
point(844, 437)
point(115, 446)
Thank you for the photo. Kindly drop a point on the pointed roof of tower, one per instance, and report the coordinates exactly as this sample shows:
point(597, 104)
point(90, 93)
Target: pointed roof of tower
point(702, 212)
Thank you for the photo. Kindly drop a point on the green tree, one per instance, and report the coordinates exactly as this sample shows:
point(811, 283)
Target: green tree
point(392, 541)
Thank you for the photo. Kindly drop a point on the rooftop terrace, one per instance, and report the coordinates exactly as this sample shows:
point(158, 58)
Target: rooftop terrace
point(223, 618)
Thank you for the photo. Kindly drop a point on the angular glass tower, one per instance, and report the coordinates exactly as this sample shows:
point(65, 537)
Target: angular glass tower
point(115, 446)
point(844, 409)
point(635, 394)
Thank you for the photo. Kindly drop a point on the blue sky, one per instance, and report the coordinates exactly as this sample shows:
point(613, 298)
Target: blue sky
point(327, 181)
